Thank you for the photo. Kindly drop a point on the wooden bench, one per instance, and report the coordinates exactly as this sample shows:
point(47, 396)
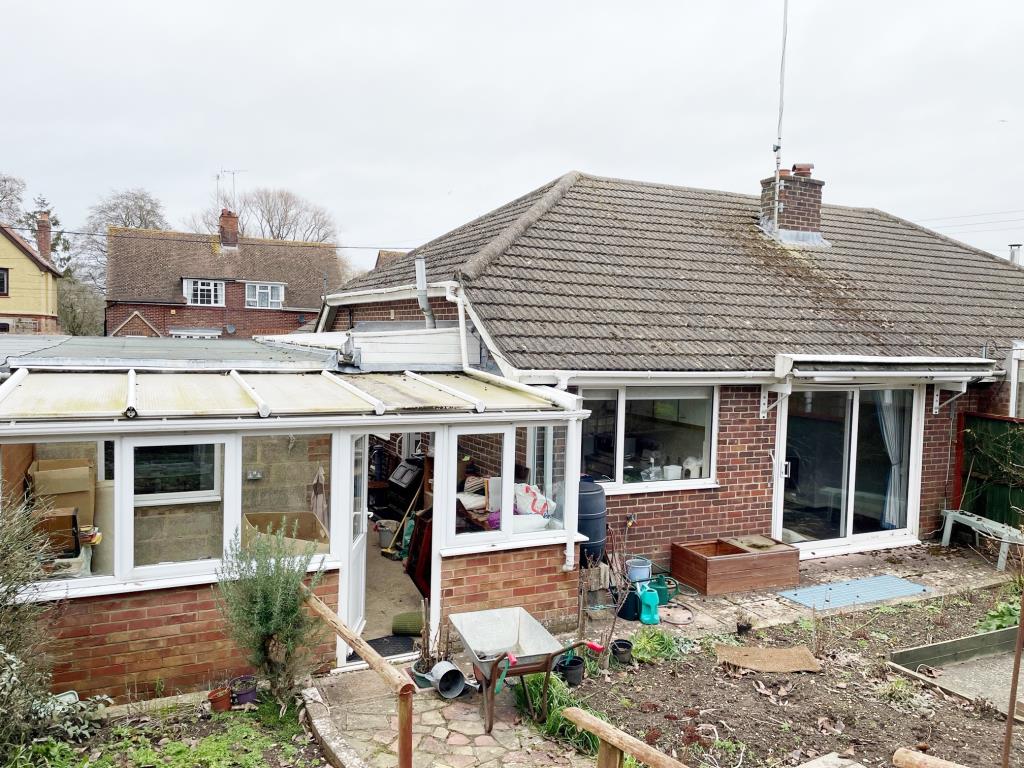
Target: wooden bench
point(1006, 534)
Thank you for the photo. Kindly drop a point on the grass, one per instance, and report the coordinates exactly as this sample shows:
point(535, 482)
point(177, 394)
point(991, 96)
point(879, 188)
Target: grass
point(651, 644)
point(236, 740)
point(560, 696)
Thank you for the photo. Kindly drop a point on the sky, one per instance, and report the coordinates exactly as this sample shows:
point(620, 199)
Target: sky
point(407, 119)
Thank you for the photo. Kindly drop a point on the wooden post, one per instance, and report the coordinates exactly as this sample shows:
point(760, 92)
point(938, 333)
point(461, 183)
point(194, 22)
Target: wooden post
point(1011, 708)
point(615, 744)
point(405, 729)
point(908, 758)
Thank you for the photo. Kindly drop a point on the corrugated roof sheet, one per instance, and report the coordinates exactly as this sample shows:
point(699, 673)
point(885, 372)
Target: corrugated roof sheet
point(33, 396)
point(611, 274)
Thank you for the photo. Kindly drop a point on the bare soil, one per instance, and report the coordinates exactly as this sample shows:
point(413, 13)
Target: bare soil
point(706, 715)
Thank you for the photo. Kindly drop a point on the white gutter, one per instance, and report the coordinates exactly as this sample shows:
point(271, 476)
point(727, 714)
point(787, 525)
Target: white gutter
point(395, 293)
point(785, 363)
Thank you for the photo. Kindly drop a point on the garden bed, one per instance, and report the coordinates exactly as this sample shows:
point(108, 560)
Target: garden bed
point(188, 736)
point(705, 715)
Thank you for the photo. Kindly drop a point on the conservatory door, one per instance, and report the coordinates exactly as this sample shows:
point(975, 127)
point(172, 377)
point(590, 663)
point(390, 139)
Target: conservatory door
point(847, 476)
point(355, 614)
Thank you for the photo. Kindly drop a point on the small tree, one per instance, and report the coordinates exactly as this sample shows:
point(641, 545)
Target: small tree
point(261, 598)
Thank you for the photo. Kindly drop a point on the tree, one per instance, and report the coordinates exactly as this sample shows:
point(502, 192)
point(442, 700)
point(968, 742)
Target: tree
point(12, 190)
point(60, 245)
point(79, 307)
point(278, 214)
point(132, 208)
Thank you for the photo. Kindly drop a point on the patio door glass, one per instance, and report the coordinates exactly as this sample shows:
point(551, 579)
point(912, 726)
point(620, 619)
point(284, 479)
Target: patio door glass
point(816, 464)
point(356, 577)
point(846, 470)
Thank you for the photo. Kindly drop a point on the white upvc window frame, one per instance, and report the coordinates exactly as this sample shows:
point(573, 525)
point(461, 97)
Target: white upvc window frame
point(1013, 363)
point(617, 486)
point(268, 288)
point(216, 288)
point(186, 497)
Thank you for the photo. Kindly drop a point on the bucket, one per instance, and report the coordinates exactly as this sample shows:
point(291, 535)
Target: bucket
point(622, 651)
point(386, 529)
point(571, 670)
point(448, 679)
point(638, 569)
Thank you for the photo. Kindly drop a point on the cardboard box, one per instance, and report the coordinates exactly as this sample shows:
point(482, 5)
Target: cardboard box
point(61, 528)
point(310, 530)
point(65, 483)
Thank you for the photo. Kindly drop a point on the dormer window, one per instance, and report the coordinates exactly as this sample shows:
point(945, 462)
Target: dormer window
point(264, 295)
point(205, 293)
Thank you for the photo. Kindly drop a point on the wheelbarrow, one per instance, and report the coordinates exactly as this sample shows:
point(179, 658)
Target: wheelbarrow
point(509, 642)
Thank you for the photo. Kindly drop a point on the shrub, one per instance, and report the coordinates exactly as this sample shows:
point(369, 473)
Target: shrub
point(652, 644)
point(262, 602)
point(1003, 616)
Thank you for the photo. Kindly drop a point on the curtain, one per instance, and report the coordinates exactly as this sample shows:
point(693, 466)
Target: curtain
point(892, 416)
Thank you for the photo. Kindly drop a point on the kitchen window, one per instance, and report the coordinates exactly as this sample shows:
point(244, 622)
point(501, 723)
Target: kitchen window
point(264, 295)
point(205, 293)
point(650, 438)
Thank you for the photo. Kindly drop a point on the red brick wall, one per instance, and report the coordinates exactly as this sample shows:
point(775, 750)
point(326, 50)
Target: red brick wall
point(742, 504)
point(144, 644)
point(532, 578)
point(247, 322)
point(404, 310)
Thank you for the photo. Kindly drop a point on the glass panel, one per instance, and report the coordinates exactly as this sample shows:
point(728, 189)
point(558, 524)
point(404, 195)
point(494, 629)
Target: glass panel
point(883, 460)
point(358, 488)
point(286, 479)
point(599, 445)
point(667, 434)
point(188, 523)
point(817, 456)
point(175, 469)
point(540, 479)
point(1020, 390)
point(478, 483)
point(56, 483)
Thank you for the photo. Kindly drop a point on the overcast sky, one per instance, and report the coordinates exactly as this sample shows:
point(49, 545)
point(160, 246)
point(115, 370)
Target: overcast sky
point(406, 119)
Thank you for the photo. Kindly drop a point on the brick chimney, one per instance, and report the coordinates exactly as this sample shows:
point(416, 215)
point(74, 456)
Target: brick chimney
point(228, 228)
point(43, 234)
point(799, 206)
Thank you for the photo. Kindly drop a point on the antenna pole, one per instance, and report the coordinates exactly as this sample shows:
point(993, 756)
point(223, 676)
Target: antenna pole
point(782, 90)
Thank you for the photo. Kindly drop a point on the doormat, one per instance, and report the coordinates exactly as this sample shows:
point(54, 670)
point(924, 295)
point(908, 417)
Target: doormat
point(840, 594)
point(389, 645)
point(796, 659)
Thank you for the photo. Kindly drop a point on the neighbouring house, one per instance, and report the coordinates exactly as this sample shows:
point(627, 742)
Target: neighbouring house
point(28, 281)
point(190, 285)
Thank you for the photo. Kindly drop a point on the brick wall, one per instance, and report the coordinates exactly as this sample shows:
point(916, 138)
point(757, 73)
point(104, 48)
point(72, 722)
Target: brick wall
point(402, 310)
point(532, 578)
point(742, 504)
point(144, 644)
point(248, 322)
point(30, 323)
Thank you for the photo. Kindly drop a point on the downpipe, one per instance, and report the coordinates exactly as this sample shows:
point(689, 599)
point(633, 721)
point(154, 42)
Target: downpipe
point(421, 293)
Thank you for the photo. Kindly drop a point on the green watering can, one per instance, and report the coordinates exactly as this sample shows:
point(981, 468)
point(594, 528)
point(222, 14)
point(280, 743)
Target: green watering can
point(665, 586)
point(648, 603)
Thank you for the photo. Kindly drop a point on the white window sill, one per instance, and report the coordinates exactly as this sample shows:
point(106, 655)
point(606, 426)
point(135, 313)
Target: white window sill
point(98, 586)
point(168, 499)
point(249, 306)
point(613, 489)
point(814, 550)
point(520, 542)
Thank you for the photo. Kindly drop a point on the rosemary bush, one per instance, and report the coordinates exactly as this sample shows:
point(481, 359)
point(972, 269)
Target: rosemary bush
point(260, 598)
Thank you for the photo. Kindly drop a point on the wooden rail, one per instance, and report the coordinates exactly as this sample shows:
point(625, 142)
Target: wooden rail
point(908, 758)
point(614, 744)
point(399, 684)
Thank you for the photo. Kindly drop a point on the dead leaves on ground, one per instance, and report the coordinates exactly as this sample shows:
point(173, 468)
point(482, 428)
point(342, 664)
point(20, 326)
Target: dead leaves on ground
point(779, 696)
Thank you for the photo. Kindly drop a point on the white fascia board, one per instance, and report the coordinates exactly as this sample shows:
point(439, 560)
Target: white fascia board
point(72, 364)
point(396, 293)
point(786, 363)
point(616, 378)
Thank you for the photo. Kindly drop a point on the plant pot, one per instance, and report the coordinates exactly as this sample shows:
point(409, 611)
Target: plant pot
point(243, 689)
point(571, 670)
point(220, 699)
point(420, 676)
point(622, 651)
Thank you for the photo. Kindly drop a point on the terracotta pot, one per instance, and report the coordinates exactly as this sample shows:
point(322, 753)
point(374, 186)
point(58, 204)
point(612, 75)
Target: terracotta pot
point(220, 699)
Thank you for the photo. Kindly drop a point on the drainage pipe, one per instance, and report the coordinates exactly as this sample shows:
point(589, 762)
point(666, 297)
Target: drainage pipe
point(421, 291)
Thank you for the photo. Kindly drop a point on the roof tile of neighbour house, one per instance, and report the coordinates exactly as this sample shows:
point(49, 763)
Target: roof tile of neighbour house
point(23, 245)
point(147, 265)
point(591, 273)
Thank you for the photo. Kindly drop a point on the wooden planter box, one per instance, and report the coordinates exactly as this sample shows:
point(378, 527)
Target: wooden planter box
point(721, 566)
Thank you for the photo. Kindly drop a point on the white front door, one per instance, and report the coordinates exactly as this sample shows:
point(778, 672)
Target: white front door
point(355, 613)
point(847, 471)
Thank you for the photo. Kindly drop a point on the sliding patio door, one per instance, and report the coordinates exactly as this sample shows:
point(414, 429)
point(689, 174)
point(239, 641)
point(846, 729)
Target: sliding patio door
point(846, 473)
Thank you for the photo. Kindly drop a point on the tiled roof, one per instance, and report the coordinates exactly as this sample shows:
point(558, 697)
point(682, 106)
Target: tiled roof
point(25, 247)
point(591, 273)
point(148, 265)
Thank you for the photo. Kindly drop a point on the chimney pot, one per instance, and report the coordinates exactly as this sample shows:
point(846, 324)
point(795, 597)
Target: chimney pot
point(43, 234)
point(803, 169)
point(228, 228)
